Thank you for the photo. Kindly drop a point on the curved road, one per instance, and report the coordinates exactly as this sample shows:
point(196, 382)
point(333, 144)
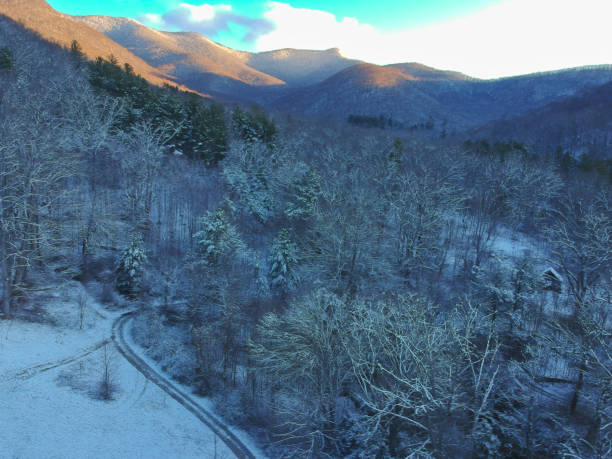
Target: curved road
point(233, 443)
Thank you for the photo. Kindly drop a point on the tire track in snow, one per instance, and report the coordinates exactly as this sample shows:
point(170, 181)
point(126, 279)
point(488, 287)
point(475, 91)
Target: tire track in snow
point(220, 430)
point(30, 372)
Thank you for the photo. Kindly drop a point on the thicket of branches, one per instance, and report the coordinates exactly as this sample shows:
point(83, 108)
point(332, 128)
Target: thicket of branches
point(345, 293)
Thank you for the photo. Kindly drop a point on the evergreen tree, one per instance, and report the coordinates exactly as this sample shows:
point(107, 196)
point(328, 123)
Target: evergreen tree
point(204, 135)
point(130, 268)
point(306, 197)
point(217, 238)
point(76, 51)
point(254, 126)
point(6, 59)
point(283, 262)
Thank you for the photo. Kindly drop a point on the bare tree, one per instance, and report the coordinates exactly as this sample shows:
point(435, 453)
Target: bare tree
point(581, 237)
point(36, 159)
point(402, 361)
point(303, 353)
point(92, 119)
point(419, 210)
point(141, 159)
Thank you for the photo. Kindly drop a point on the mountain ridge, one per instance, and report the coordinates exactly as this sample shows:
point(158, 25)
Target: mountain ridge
point(187, 56)
point(317, 83)
point(578, 124)
point(51, 25)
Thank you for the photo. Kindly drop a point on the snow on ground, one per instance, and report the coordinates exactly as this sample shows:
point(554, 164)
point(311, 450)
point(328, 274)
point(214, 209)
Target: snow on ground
point(26, 344)
point(57, 413)
point(202, 401)
point(514, 244)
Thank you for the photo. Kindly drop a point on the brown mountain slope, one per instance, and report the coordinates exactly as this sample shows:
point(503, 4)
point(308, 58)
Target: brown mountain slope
point(185, 54)
point(367, 89)
point(377, 76)
point(370, 75)
point(52, 25)
point(190, 57)
point(424, 73)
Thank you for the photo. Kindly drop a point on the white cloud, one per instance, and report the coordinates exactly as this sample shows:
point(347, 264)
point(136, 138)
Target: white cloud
point(306, 28)
point(513, 37)
point(152, 18)
point(204, 12)
point(209, 20)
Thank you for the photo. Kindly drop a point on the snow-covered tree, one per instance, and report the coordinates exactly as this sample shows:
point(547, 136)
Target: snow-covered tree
point(302, 353)
point(492, 287)
point(249, 175)
point(38, 155)
point(283, 262)
point(130, 268)
point(141, 162)
point(217, 238)
point(254, 126)
point(306, 196)
point(581, 236)
point(404, 362)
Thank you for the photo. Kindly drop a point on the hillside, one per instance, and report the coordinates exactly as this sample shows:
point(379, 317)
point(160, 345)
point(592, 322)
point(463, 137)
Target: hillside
point(189, 57)
point(579, 124)
point(425, 73)
point(366, 89)
point(308, 82)
point(51, 25)
point(412, 93)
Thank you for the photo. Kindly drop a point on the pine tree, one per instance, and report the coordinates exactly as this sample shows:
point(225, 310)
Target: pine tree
point(254, 126)
point(217, 238)
point(283, 262)
point(6, 59)
point(130, 268)
point(306, 196)
point(76, 51)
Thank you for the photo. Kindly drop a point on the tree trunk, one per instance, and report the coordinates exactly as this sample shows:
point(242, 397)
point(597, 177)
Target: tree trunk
point(6, 293)
point(578, 386)
point(6, 280)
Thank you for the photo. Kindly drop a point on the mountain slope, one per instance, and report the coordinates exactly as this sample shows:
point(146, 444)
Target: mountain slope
point(581, 123)
point(366, 89)
point(424, 73)
point(51, 25)
point(316, 83)
point(190, 57)
point(412, 93)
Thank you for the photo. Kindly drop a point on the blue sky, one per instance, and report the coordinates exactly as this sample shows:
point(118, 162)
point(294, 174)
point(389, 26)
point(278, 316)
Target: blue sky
point(484, 38)
point(390, 15)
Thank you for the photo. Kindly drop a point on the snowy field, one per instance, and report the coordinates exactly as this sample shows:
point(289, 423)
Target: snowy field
point(50, 405)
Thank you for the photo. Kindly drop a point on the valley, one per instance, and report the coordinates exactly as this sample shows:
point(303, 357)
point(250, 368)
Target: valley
point(209, 252)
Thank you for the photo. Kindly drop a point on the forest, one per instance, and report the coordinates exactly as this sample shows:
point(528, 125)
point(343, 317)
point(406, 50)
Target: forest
point(337, 291)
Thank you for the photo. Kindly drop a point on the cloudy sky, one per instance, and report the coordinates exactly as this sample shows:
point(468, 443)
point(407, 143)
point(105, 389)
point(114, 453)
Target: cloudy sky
point(483, 38)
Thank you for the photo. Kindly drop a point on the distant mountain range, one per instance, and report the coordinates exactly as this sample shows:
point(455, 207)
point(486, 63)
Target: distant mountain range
point(580, 124)
point(326, 84)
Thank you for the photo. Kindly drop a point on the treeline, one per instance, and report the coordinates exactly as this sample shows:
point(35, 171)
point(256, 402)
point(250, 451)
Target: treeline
point(199, 129)
point(385, 122)
point(566, 163)
point(380, 122)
